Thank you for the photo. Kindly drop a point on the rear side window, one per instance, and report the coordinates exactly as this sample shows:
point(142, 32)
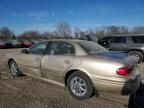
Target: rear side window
point(60, 48)
point(137, 39)
point(118, 39)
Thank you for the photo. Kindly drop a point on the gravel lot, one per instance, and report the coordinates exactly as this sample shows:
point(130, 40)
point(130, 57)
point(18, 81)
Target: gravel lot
point(28, 92)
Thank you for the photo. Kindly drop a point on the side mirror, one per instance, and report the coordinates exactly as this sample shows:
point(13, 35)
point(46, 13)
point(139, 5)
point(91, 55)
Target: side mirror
point(25, 51)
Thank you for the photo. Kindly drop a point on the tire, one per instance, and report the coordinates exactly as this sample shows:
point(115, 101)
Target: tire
point(14, 70)
point(132, 103)
point(138, 54)
point(83, 91)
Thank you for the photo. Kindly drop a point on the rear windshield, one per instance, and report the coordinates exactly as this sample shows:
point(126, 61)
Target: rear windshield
point(138, 39)
point(92, 47)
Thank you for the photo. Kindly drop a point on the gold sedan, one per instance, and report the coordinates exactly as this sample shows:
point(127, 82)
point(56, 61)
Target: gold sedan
point(84, 67)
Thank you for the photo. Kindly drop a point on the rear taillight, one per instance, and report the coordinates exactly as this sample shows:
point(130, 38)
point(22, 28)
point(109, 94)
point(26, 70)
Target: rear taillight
point(124, 71)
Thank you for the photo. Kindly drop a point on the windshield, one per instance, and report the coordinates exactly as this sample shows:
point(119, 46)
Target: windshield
point(92, 47)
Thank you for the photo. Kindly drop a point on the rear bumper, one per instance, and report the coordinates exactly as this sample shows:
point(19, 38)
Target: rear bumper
point(123, 88)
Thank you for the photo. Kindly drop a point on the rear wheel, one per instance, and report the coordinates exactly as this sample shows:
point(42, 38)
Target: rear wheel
point(138, 55)
point(14, 70)
point(80, 85)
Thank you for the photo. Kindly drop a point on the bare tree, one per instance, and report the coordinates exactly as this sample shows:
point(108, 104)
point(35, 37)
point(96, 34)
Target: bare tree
point(113, 30)
point(77, 32)
point(124, 30)
point(138, 30)
point(30, 35)
point(46, 35)
point(91, 35)
point(63, 30)
point(6, 33)
point(101, 31)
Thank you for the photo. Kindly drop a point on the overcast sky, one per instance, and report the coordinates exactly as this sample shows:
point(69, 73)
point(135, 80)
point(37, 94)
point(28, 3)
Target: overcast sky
point(43, 15)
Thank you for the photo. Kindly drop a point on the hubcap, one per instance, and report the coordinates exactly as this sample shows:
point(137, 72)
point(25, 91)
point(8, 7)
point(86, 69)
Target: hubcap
point(78, 86)
point(14, 68)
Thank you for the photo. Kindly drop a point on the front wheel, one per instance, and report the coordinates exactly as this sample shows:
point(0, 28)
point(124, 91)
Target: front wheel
point(14, 70)
point(80, 85)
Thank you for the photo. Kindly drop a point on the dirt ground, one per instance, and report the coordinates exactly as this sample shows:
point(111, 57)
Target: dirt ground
point(28, 92)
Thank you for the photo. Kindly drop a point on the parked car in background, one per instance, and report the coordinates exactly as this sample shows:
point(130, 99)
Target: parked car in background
point(84, 67)
point(2, 44)
point(131, 44)
point(17, 43)
point(26, 43)
point(9, 44)
point(13, 44)
point(35, 41)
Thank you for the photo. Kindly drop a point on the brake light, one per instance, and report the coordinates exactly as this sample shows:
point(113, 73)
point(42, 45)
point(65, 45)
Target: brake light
point(124, 71)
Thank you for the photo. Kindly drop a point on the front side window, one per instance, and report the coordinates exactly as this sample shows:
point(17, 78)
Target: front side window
point(118, 39)
point(38, 48)
point(137, 39)
point(60, 48)
point(92, 47)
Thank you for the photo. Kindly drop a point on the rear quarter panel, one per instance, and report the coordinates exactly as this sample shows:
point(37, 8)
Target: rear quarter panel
point(102, 72)
point(98, 67)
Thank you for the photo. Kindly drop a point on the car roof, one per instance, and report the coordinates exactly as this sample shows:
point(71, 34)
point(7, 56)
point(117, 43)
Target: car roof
point(66, 40)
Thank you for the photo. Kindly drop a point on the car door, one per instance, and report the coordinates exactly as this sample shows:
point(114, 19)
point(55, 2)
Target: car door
point(58, 58)
point(30, 63)
point(118, 43)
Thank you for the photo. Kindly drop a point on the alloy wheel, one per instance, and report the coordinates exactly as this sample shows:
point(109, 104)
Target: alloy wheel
point(78, 86)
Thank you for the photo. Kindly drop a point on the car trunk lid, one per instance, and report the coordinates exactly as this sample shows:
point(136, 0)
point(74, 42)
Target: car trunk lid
point(129, 60)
